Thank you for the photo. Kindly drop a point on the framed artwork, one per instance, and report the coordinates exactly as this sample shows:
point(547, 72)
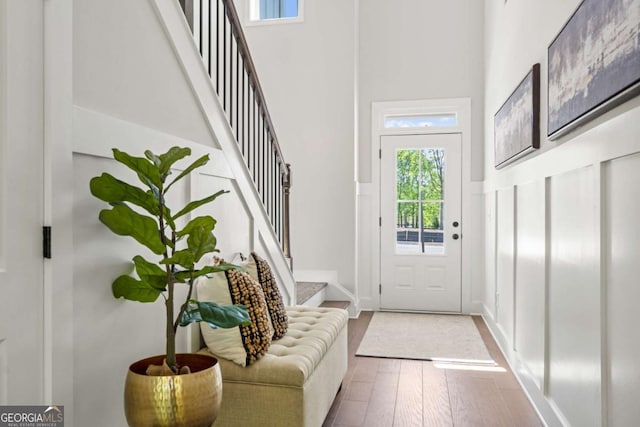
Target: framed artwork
point(517, 122)
point(594, 63)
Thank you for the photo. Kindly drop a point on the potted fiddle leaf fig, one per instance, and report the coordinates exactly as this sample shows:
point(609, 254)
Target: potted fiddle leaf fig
point(144, 215)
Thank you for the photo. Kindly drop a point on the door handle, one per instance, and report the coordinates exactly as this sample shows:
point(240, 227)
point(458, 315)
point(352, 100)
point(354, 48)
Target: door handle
point(455, 236)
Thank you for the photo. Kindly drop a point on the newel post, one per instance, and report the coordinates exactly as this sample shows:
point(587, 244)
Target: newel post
point(286, 243)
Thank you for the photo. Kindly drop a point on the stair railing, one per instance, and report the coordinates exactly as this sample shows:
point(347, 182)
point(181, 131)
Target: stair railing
point(218, 34)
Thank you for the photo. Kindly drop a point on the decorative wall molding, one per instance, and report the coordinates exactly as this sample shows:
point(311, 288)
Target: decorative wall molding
point(95, 134)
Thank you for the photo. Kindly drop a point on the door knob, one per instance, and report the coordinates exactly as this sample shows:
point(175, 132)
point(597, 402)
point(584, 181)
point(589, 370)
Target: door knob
point(456, 236)
point(456, 223)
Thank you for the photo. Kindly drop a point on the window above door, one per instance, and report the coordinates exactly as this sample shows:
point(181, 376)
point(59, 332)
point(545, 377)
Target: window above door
point(263, 12)
point(393, 121)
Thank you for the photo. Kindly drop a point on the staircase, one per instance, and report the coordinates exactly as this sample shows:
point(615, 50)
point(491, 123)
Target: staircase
point(249, 139)
point(218, 35)
point(213, 53)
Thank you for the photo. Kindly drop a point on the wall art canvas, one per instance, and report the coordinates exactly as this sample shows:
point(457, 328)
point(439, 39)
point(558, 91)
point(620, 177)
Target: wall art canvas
point(517, 122)
point(594, 63)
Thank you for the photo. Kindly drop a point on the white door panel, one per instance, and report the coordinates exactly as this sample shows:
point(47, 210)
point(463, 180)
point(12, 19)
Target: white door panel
point(21, 203)
point(420, 193)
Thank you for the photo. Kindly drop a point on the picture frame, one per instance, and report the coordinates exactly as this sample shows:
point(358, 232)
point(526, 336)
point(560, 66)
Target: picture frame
point(594, 63)
point(517, 122)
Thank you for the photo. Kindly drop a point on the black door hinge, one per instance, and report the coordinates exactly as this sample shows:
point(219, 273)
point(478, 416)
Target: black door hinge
point(46, 241)
point(380, 289)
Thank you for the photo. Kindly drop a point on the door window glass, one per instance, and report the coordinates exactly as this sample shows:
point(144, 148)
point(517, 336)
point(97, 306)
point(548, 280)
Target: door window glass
point(420, 201)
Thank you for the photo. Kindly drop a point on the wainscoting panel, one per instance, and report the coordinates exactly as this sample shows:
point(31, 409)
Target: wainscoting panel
point(574, 385)
point(477, 244)
point(233, 229)
point(622, 266)
point(505, 263)
point(530, 278)
point(367, 279)
point(490, 251)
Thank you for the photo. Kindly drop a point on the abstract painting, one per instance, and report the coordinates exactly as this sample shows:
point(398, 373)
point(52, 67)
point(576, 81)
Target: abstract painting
point(594, 63)
point(517, 122)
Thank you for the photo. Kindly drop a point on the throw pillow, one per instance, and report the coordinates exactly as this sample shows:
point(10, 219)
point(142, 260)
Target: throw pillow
point(243, 344)
point(260, 270)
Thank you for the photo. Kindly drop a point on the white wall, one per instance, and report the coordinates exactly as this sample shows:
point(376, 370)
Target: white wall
point(307, 73)
point(569, 276)
point(417, 49)
point(124, 67)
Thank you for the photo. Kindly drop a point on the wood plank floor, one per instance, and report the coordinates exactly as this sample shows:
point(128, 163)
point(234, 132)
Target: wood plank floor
point(393, 392)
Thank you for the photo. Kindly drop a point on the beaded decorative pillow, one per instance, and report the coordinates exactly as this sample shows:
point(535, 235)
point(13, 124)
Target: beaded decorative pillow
point(243, 344)
point(260, 270)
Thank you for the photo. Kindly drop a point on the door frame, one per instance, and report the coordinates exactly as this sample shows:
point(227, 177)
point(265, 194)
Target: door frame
point(58, 207)
point(379, 110)
point(418, 297)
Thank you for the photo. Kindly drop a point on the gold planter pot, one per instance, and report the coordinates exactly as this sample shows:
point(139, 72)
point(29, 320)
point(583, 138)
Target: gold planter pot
point(190, 400)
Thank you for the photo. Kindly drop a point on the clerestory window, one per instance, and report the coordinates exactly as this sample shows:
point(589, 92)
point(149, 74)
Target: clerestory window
point(272, 11)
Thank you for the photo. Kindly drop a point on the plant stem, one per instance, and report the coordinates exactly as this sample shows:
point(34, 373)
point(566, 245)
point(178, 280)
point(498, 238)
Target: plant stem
point(171, 333)
point(186, 301)
point(170, 330)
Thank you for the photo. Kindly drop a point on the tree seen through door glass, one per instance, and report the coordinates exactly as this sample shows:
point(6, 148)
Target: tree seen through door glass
point(419, 201)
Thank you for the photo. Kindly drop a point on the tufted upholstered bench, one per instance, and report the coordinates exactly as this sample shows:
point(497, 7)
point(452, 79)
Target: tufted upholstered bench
point(295, 383)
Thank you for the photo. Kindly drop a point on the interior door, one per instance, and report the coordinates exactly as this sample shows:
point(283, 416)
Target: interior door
point(420, 226)
point(21, 203)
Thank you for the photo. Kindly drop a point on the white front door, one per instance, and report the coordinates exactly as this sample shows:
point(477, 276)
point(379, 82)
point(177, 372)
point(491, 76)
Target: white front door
point(21, 203)
point(420, 231)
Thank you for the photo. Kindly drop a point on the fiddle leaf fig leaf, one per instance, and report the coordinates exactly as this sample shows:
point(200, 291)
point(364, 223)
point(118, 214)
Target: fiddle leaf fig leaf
point(134, 290)
point(183, 258)
point(124, 221)
point(111, 190)
point(206, 222)
point(169, 158)
point(209, 269)
point(215, 315)
point(146, 170)
point(200, 242)
point(197, 203)
point(153, 157)
point(150, 273)
point(198, 163)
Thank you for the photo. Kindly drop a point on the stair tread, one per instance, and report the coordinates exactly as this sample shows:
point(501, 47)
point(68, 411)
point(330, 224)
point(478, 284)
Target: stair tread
point(306, 290)
point(336, 304)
